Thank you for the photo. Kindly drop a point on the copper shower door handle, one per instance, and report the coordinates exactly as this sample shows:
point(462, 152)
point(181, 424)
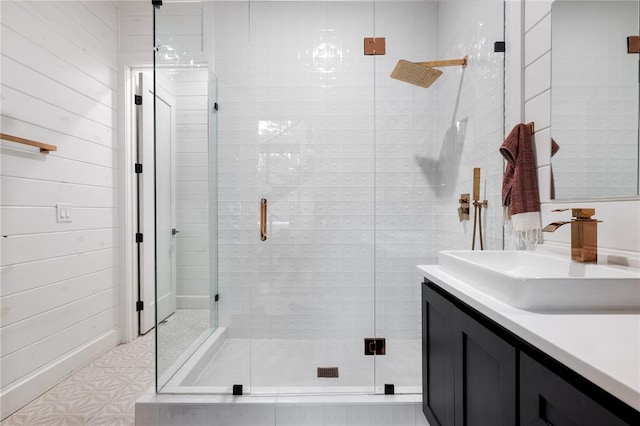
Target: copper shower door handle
point(263, 219)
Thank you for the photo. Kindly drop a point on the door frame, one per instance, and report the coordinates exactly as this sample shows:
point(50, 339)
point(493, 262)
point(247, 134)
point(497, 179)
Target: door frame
point(128, 315)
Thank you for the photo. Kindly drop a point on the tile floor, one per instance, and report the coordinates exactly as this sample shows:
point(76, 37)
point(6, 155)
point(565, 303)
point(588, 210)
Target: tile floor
point(102, 393)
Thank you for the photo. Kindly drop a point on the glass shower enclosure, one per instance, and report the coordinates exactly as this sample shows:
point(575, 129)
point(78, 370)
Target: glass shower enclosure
point(307, 186)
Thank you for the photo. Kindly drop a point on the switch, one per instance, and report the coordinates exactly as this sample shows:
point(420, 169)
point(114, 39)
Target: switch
point(63, 212)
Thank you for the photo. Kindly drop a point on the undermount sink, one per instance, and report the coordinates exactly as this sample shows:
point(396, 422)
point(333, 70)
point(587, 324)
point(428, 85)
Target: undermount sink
point(545, 282)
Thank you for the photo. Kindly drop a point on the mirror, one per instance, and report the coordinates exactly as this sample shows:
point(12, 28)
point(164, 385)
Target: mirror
point(594, 99)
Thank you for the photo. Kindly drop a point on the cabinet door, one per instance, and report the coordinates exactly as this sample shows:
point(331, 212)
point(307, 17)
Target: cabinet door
point(547, 399)
point(437, 361)
point(485, 375)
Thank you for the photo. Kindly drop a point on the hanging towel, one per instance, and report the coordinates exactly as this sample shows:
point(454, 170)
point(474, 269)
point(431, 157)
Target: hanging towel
point(520, 198)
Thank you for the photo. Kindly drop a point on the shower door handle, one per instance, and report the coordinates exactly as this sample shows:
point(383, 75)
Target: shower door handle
point(263, 219)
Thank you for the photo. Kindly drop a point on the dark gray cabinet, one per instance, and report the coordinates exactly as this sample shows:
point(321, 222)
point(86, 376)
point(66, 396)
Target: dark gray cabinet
point(485, 375)
point(547, 399)
point(475, 372)
point(437, 360)
point(469, 373)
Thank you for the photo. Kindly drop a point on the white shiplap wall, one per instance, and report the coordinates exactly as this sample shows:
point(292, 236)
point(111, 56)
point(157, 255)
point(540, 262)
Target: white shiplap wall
point(59, 280)
point(620, 229)
point(192, 189)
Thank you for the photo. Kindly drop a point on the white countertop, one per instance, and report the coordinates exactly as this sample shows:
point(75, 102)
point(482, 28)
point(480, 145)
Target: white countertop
point(603, 348)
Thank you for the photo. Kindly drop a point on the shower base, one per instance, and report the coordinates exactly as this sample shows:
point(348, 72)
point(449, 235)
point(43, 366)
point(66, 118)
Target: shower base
point(281, 385)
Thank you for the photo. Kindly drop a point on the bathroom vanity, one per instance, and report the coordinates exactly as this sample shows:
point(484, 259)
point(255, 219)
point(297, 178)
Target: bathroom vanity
point(486, 362)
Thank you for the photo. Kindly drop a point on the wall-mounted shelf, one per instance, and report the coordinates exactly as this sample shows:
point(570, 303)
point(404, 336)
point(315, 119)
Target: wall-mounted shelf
point(43, 146)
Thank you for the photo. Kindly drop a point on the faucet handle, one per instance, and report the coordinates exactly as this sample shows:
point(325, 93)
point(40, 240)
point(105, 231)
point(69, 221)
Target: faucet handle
point(579, 213)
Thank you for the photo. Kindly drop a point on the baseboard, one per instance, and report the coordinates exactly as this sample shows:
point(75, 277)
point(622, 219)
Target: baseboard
point(25, 390)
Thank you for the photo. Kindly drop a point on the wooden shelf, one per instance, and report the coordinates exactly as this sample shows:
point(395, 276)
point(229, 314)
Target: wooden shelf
point(43, 146)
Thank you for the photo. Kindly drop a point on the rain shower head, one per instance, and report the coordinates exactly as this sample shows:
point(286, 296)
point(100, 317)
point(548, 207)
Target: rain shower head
point(414, 73)
point(422, 74)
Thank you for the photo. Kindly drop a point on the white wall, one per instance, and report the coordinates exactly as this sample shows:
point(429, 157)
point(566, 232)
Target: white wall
point(620, 228)
point(594, 99)
point(59, 294)
point(192, 188)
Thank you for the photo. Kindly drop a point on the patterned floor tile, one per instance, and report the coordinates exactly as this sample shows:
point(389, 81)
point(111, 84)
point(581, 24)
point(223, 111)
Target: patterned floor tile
point(59, 420)
point(18, 419)
point(123, 420)
point(104, 392)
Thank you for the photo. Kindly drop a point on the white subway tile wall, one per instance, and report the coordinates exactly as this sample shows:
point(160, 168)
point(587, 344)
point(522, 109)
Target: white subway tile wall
point(362, 172)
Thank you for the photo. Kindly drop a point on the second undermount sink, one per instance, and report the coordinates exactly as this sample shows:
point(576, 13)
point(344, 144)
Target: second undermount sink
point(545, 282)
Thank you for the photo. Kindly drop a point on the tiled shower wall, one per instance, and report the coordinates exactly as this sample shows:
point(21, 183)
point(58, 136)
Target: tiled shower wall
point(296, 126)
point(348, 157)
point(471, 117)
point(456, 125)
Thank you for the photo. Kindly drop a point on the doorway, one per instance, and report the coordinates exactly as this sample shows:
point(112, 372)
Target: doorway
point(155, 234)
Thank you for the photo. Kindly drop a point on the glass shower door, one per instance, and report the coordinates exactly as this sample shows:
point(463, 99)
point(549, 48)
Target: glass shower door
point(295, 129)
point(185, 189)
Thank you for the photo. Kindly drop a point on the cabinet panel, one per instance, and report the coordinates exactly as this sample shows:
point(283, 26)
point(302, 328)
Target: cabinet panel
point(547, 399)
point(437, 362)
point(475, 372)
point(485, 375)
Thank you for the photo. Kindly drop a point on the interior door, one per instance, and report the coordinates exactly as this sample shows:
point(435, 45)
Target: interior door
point(157, 206)
point(165, 211)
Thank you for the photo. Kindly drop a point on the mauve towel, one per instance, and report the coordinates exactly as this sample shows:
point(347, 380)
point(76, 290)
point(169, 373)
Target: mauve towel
point(520, 187)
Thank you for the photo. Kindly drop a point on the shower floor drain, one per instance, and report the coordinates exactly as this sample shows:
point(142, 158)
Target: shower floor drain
point(327, 371)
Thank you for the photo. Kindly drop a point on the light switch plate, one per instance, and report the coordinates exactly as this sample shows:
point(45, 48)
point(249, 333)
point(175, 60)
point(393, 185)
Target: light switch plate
point(63, 212)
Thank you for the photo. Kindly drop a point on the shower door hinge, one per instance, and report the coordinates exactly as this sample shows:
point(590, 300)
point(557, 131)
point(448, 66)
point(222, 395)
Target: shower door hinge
point(375, 346)
point(633, 44)
point(156, 3)
point(138, 168)
point(216, 298)
point(215, 106)
point(137, 99)
point(139, 305)
point(138, 237)
point(499, 46)
point(375, 46)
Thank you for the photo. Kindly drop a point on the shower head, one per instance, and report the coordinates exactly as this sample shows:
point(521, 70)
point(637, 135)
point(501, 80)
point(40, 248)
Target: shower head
point(422, 73)
point(414, 73)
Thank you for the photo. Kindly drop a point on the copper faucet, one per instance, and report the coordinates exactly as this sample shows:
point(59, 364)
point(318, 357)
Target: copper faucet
point(584, 234)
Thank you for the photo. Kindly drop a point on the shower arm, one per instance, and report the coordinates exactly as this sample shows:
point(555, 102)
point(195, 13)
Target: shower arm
point(445, 63)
